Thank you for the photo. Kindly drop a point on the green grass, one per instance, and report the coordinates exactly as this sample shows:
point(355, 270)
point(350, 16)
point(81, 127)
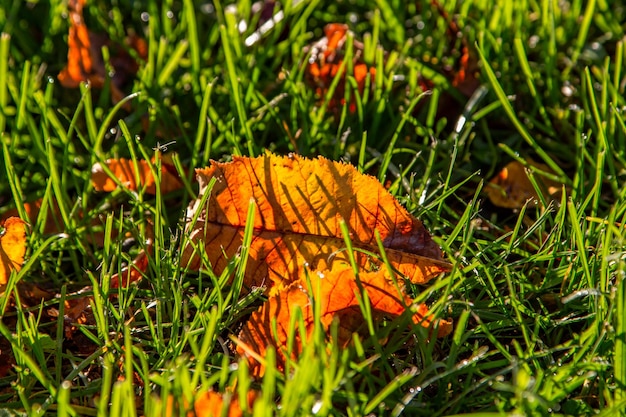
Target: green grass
point(537, 295)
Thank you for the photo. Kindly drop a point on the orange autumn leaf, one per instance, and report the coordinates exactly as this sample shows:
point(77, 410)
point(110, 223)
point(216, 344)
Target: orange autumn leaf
point(464, 75)
point(299, 207)
point(32, 209)
point(512, 188)
point(124, 171)
point(326, 60)
point(80, 66)
point(337, 290)
point(12, 247)
point(213, 404)
point(85, 62)
point(133, 272)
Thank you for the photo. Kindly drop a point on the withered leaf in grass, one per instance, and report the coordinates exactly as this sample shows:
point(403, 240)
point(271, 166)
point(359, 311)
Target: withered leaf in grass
point(124, 171)
point(326, 58)
point(299, 206)
point(511, 187)
point(85, 62)
point(12, 247)
point(213, 404)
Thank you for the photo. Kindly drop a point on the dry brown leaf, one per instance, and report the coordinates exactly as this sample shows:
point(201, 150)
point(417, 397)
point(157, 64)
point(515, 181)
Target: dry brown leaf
point(124, 171)
point(464, 75)
point(337, 291)
point(299, 205)
point(511, 188)
point(12, 247)
point(77, 312)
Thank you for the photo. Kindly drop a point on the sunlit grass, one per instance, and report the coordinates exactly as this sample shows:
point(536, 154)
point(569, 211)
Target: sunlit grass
point(536, 294)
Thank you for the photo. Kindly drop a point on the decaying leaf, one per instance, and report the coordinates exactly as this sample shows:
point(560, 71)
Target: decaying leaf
point(85, 62)
point(337, 290)
point(133, 272)
point(213, 404)
point(32, 210)
point(464, 75)
point(326, 58)
point(124, 171)
point(12, 247)
point(299, 206)
point(511, 187)
point(77, 312)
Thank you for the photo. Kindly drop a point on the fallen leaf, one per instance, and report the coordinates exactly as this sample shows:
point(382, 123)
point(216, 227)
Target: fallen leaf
point(12, 247)
point(85, 62)
point(124, 171)
point(214, 404)
point(511, 187)
point(32, 210)
point(299, 206)
point(337, 291)
point(133, 272)
point(77, 312)
point(326, 58)
point(464, 75)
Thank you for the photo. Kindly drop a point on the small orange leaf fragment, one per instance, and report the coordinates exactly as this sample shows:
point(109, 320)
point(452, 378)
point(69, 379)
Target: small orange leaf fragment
point(124, 171)
point(12, 247)
point(85, 62)
point(325, 62)
point(212, 404)
point(80, 66)
point(133, 272)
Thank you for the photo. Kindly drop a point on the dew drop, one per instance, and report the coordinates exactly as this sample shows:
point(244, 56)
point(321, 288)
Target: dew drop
point(316, 407)
point(242, 26)
point(207, 8)
point(145, 16)
point(567, 90)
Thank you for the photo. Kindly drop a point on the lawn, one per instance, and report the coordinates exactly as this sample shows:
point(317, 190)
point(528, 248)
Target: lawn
point(432, 102)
